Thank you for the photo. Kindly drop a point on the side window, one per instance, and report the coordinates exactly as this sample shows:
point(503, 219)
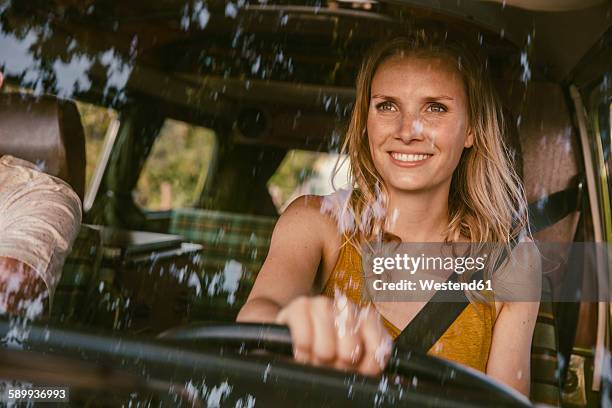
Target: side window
point(304, 172)
point(176, 168)
point(95, 120)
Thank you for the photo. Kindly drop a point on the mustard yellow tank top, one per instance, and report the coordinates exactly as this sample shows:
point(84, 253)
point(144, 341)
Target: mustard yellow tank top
point(466, 341)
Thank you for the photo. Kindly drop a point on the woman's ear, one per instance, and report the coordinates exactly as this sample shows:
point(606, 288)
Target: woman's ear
point(1, 79)
point(469, 138)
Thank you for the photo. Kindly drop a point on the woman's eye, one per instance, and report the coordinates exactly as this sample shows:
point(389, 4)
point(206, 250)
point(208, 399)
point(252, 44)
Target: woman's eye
point(436, 108)
point(385, 106)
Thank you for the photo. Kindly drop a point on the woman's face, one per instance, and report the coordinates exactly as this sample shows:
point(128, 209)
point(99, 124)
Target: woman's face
point(417, 122)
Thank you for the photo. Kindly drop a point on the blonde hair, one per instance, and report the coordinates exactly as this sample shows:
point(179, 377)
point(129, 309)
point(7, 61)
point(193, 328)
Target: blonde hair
point(487, 203)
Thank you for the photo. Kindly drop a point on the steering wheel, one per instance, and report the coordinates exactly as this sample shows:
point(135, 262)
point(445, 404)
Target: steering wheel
point(410, 365)
point(201, 364)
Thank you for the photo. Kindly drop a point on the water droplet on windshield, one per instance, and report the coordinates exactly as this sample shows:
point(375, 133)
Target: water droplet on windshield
point(266, 373)
point(526, 69)
point(231, 10)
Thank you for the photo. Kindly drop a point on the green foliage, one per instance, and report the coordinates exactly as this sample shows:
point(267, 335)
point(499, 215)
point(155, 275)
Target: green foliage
point(297, 166)
point(179, 160)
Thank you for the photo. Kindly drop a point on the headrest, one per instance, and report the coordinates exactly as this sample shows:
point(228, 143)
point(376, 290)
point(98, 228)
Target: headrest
point(47, 132)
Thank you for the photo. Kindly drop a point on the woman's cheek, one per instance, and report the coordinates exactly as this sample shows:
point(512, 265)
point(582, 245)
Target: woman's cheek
point(456, 150)
point(376, 129)
point(375, 152)
point(378, 160)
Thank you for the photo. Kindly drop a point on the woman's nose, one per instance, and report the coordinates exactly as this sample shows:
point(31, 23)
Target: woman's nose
point(410, 128)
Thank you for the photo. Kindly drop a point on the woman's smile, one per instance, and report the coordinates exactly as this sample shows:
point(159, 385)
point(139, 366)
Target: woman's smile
point(409, 159)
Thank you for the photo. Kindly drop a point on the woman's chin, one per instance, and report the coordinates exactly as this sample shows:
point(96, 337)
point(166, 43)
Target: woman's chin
point(409, 187)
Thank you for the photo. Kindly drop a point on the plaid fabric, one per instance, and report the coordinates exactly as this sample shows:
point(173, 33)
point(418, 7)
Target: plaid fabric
point(234, 249)
point(545, 381)
point(79, 273)
point(238, 234)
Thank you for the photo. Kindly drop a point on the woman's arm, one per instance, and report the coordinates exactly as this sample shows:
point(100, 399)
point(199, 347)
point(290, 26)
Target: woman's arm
point(328, 332)
point(290, 268)
point(510, 355)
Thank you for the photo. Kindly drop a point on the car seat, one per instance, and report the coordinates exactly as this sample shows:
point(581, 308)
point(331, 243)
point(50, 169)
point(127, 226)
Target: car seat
point(550, 176)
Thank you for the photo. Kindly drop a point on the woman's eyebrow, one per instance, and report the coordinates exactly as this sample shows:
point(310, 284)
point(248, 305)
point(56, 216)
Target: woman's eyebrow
point(381, 96)
point(439, 97)
point(429, 98)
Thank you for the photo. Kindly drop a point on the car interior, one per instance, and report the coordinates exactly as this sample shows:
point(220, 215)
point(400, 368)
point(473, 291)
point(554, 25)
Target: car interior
point(273, 78)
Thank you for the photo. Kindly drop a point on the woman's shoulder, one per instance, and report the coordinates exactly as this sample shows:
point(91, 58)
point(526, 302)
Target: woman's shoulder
point(520, 279)
point(528, 250)
point(318, 212)
point(327, 208)
point(306, 226)
point(304, 203)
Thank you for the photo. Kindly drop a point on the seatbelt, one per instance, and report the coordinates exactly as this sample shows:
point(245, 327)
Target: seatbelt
point(432, 321)
point(549, 210)
point(437, 315)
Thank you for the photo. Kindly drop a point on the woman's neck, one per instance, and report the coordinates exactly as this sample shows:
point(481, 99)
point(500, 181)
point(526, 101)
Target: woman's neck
point(418, 216)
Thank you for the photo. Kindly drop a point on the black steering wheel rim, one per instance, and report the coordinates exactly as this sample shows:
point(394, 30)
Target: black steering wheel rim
point(405, 363)
point(164, 365)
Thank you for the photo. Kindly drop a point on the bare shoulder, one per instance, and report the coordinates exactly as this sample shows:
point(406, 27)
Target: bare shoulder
point(305, 203)
point(520, 286)
point(308, 212)
point(529, 256)
point(316, 220)
point(525, 259)
point(519, 282)
point(325, 209)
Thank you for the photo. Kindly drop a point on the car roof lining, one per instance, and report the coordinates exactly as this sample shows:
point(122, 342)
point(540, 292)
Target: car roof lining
point(543, 36)
point(551, 49)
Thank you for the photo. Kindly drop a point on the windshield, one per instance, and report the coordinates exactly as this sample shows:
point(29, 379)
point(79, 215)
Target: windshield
point(204, 123)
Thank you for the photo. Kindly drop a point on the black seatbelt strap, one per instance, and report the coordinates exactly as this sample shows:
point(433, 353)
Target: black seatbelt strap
point(435, 317)
point(553, 208)
point(432, 321)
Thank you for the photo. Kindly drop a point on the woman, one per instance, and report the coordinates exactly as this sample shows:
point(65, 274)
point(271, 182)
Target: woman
point(428, 164)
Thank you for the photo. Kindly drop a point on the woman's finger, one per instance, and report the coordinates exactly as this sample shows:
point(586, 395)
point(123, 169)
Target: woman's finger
point(324, 341)
point(297, 317)
point(349, 347)
point(377, 343)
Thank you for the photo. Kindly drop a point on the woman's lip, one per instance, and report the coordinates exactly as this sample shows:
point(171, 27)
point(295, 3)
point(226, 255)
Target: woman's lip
point(407, 163)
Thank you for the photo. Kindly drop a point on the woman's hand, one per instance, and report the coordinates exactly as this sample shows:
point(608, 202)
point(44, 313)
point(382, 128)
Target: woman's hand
point(336, 333)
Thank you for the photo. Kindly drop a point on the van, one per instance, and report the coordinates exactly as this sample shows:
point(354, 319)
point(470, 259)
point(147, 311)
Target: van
point(187, 126)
